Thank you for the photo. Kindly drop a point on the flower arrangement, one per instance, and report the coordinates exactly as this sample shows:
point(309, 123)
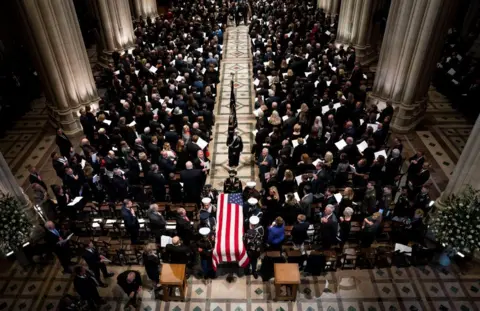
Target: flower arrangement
point(457, 225)
point(15, 229)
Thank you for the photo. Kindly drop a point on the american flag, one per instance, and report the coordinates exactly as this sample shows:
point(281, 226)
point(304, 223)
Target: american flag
point(233, 102)
point(229, 246)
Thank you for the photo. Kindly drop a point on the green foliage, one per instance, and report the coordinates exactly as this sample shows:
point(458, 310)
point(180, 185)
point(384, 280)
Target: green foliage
point(15, 229)
point(458, 224)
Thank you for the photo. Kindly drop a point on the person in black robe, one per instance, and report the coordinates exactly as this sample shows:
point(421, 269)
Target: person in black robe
point(235, 148)
point(63, 144)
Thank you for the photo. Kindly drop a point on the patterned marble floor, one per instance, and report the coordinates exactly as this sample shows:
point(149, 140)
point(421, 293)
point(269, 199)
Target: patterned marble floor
point(391, 289)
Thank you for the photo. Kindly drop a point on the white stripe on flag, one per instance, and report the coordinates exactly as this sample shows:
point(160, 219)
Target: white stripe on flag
point(232, 233)
point(224, 206)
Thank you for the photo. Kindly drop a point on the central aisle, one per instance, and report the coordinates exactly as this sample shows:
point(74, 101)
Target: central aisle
point(237, 60)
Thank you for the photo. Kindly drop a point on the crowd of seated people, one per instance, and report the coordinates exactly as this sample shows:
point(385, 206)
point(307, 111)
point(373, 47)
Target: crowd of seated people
point(458, 73)
point(325, 159)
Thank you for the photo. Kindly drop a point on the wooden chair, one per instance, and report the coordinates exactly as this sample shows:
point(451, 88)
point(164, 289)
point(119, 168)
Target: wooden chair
point(191, 209)
point(330, 260)
point(384, 236)
point(349, 258)
point(366, 258)
point(288, 275)
point(383, 256)
point(171, 278)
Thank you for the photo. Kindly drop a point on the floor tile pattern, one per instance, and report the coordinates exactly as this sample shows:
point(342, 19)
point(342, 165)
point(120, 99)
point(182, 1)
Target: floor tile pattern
point(413, 288)
point(236, 63)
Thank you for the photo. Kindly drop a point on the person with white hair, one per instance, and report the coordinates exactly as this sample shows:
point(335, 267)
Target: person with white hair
point(120, 185)
point(329, 227)
point(345, 224)
point(193, 181)
point(157, 222)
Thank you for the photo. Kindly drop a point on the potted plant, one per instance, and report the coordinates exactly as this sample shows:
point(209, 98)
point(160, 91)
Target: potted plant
point(457, 225)
point(15, 228)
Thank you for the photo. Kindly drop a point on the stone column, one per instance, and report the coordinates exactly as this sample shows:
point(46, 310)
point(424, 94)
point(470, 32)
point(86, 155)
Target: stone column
point(411, 47)
point(117, 27)
point(330, 7)
point(61, 59)
point(468, 166)
point(145, 8)
point(355, 27)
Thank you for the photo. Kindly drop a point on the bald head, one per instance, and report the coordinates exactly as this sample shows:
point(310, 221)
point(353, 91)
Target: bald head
point(175, 240)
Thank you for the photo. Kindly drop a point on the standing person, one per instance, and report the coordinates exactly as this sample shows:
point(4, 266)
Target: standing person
point(63, 144)
point(235, 148)
point(131, 283)
point(276, 234)
point(131, 221)
point(152, 263)
point(35, 177)
point(157, 222)
point(253, 239)
point(299, 233)
point(329, 227)
point(86, 285)
point(345, 224)
point(232, 184)
point(205, 249)
point(96, 263)
point(369, 229)
point(58, 245)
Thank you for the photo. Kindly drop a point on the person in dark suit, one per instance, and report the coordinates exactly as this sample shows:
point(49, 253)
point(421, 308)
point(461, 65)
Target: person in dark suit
point(95, 263)
point(299, 232)
point(175, 189)
point(85, 285)
point(58, 245)
point(120, 185)
point(177, 252)
point(193, 182)
point(35, 177)
point(59, 164)
point(131, 283)
point(157, 221)
point(351, 150)
point(130, 219)
point(152, 263)
point(416, 164)
point(329, 227)
point(184, 226)
point(72, 182)
point(63, 144)
point(157, 180)
point(387, 112)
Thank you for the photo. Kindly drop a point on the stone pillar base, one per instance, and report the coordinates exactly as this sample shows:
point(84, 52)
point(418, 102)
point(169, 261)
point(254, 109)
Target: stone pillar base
point(69, 119)
point(406, 116)
point(105, 58)
point(365, 55)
